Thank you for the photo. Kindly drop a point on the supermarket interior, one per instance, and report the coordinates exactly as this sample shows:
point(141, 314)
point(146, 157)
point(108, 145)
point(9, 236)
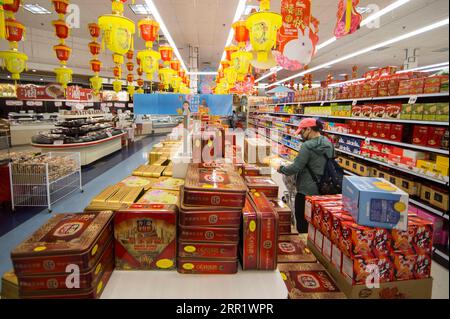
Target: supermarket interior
point(224, 149)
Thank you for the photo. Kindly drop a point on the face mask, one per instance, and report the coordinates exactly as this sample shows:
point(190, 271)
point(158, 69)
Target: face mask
point(304, 135)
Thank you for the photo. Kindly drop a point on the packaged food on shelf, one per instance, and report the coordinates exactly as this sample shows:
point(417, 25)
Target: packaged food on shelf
point(298, 279)
point(356, 270)
point(159, 196)
point(66, 239)
point(145, 237)
point(250, 238)
point(208, 267)
point(417, 111)
point(375, 202)
point(291, 249)
point(168, 183)
point(136, 181)
point(256, 151)
point(214, 186)
point(262, 185)
point(207, 216)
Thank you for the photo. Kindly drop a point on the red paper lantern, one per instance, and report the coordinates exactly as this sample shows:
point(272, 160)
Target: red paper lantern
point(95, 48)
point(61, 6)
point(130, 77)
point(12, 7)
point(117, 72)
point(175, 65)
point(94, 30)
point(166, 53)
point(96, 65)
point(140, 72)
point(241, 33)
point(225, 64)
point(140, 82)
point(138, 61)
point(14, 30)
point(182, 73)
point(61, 29)
point(149, 30)
point(130, 66)
point(229, 51)
point(130, 55)
point(62, 52)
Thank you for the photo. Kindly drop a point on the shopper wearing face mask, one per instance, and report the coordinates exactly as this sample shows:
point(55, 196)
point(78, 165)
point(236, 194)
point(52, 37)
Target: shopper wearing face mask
point(311, 155)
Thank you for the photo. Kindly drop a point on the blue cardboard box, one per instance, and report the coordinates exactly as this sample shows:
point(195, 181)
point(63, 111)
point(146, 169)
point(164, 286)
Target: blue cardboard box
point(375, 202)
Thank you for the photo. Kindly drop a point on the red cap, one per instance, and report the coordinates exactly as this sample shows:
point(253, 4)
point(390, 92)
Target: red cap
point(305, 123)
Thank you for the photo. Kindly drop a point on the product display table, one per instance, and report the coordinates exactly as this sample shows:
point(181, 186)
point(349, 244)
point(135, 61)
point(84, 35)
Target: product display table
point(90, 151)
point(22, 134)
point(172, 285)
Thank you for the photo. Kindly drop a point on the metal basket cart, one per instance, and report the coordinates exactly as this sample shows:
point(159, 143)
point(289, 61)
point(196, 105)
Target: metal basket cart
point(289, 195)
point(43, 184)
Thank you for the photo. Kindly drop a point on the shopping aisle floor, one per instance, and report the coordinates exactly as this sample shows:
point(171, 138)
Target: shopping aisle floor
point(76, 202)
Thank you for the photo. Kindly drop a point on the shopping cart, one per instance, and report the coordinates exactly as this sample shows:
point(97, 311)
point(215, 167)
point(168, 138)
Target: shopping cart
point(289, 196)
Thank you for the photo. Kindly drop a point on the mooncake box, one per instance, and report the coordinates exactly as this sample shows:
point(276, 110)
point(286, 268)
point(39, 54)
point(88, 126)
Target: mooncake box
point(146, 237)
point(168, 183)
point(66, 239)
point(291, 249)
point(262, 184)
point(159, 196)
point(207, 250)
point(207, 267)
point(208, 234)
point(136, 181)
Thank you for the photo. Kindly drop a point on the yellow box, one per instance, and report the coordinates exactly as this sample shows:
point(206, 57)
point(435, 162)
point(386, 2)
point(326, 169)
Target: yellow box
point(373, 172)
point(440, 199)
point(425, 165)
point(441, 170)
point(442, 160)
point(409, 186)
point(363, 170)
point(426, 193)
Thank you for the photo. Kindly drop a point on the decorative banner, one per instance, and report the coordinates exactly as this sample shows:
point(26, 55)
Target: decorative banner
point(348, 19)
point(79, 93)
point(34, 92)
point(298, 37)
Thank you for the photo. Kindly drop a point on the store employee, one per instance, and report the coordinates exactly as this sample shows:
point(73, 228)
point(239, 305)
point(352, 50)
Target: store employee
point(311, 154)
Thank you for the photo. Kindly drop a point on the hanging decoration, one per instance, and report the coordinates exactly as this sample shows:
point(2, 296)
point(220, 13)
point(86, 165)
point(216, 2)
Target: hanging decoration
point(130, 77)
point(14, 32)
point(355, 69)
point(96, 65)
point(63, 52)
point(348, 18)
point(263, 27)
point(149, 58)
point(298, 37)
point(241, 59)
point(118, 34)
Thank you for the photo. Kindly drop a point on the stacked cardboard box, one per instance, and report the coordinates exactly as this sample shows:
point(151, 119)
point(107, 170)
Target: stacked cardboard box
point(10, 286)
point(210, 217)
point(81, 243)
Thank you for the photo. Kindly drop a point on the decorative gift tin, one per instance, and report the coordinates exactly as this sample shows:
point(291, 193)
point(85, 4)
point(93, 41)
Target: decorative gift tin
point(66, 239)
point(250, 238)
point(159, 196)
point(208, 234)
point(268, 231)
point(51, 283)
point(146, 237)
point(10, 286)
point(262, 184)
point(214, 186)
point(207, 267)
point(284, 229)
point(168, 183)
point(283, 210)
point(309, 281)
point(214, 218)
point(207, 250)
point(136, 181)
point(291, 249)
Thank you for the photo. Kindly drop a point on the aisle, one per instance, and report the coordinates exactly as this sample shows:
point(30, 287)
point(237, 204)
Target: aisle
point(106, 174)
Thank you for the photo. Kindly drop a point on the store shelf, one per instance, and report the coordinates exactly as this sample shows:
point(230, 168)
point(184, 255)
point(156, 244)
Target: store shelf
point(279, 142)
point(439, 181)
point(412, 146)
point(440, 253)
point(437, 123)
point(429, 208)
point(72, 117)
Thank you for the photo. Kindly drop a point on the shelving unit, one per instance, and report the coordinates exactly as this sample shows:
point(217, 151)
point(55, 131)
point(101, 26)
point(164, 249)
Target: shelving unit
point(269, 115)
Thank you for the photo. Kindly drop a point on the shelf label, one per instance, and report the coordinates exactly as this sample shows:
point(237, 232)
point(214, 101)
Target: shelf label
point(412, 99)
point(58, 142)
point(109, 134)
point(354, 102)
point(322, 103)
point(58, 104)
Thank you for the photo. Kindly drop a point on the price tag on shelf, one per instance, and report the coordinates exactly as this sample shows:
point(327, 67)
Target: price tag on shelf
point(354, 102)
point(322, 103)
point(58, 142)
point(109, 105)
point(109, 134)
point(58, 104)
point(412, 99)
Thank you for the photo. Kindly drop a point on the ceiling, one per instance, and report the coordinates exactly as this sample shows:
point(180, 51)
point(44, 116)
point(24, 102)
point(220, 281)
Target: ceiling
point(206, 23)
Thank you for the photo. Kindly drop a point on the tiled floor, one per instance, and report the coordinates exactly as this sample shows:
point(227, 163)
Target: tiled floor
point(113, 170)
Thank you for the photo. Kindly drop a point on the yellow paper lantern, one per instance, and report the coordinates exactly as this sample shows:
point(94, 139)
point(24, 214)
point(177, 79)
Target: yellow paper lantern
point(15, 62)
point(140, 91)
point(149, 61)
point(63, 76)
point(176, 83)
point(117, 86)
point(118, 33)
point(166, 75)
point(231, 75)
point(241, 63)
point(263, 27)
point(96, 84)
point(131, 90)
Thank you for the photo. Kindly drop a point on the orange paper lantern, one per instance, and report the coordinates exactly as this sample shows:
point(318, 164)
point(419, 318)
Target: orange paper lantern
point(94, 48)
point(96, 65)
point(61, 29)
point(175, 65)
point(166, 53)
point(62, 52)
point(61, 6)
point(94, 30)
point(130, 66)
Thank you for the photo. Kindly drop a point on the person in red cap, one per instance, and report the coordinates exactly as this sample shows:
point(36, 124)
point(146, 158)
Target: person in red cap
point(311, 158)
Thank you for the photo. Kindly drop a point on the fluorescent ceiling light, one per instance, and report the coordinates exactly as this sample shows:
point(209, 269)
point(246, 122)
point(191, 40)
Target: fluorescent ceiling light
point(369, 49)
point(239, 11)
point(36, 9)
point(140, 9)
point(425, 67)
point(369, 19)
point(373, 67)
point(435, 69)
point(151, 6)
